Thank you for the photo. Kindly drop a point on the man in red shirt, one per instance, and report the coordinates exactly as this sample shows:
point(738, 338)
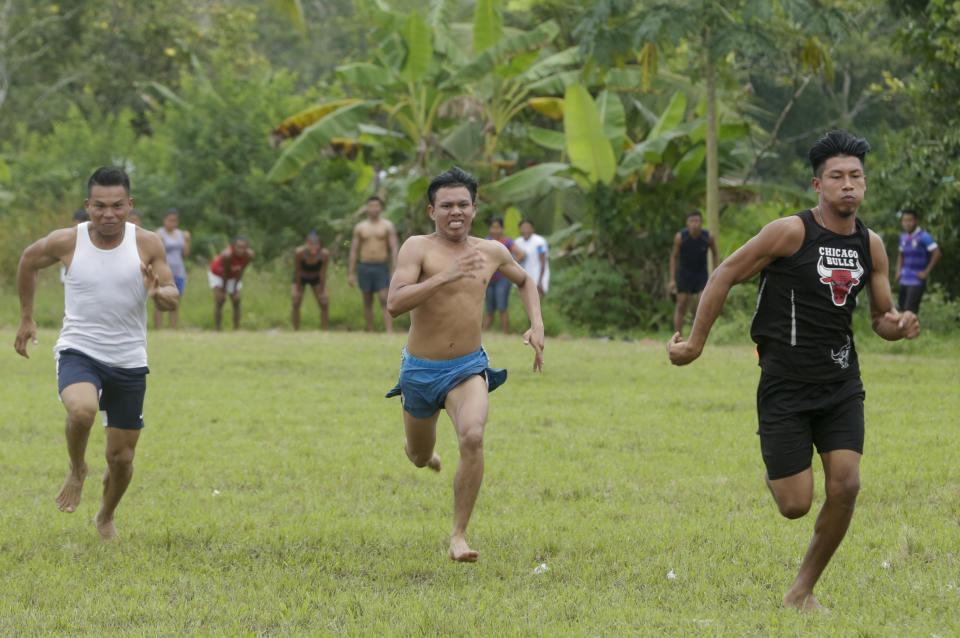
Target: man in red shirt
point(224, 277)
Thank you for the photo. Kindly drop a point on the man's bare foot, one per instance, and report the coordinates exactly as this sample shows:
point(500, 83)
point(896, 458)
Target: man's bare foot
point(69, 497)
point(434, 462)
point(108, 531)
point(460, 552)
point(802, 602)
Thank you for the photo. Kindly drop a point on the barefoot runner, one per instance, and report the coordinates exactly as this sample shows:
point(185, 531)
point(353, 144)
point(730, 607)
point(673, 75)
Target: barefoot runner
point(813, 265)
point(441, 280)
point(112, 268)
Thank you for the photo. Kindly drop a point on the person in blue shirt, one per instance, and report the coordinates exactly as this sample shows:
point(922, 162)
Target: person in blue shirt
point(918, 255)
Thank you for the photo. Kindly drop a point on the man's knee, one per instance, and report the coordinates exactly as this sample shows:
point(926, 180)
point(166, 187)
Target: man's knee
point(82, 414)
point(793, 508)
point(121, 456)
point(471, 438)
point(844, 489)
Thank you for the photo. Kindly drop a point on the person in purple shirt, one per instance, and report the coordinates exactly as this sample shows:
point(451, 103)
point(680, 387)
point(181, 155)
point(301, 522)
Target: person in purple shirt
point(498, 290)
point(918, 255)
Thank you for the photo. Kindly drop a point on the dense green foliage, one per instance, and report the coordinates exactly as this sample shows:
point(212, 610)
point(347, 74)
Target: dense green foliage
point(185, 95)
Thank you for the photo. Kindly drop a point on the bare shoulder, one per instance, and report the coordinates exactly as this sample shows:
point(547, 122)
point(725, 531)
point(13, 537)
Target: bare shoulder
point(416, 244)
point(325, 254)
point(878, 252)
point(60, 242)
point(148, 238)
point(781, 237)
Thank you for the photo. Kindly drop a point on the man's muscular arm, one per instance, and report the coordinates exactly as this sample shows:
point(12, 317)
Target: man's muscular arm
point(37, 256)
point(406, 293)
point(531, 303)
point(157, 276)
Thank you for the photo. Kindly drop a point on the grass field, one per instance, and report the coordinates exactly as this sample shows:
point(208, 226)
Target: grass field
point(272, 497)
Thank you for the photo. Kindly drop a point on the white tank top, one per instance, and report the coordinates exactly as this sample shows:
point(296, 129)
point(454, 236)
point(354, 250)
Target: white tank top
point(105, 302)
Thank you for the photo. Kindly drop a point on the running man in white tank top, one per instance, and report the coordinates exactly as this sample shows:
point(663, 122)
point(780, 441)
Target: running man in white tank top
point(112, 268)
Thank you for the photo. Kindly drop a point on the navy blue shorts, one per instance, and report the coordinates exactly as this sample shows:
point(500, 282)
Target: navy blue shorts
point(794, 416)
point(373, 277)
point(121, 390)
point(498, 294)
point(180, 283)
point(424, 384)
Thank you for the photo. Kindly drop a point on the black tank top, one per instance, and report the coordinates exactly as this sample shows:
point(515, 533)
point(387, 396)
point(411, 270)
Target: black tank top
point(805, 303)
point(313, 269)
point(693, 253)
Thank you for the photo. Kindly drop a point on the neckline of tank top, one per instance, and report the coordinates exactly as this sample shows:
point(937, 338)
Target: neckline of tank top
point(86, 228)
point(815, 213)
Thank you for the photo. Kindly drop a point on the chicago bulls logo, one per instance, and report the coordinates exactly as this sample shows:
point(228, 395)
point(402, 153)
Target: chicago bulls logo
point(840, 280)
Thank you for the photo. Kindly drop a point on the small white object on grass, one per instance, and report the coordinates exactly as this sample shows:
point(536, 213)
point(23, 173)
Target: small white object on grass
point(671, 575)
point(215, 492)
point(541, 569)
point(885, 564)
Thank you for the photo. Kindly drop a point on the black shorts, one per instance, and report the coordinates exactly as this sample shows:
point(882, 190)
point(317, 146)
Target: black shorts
point(794, 416)
point(121, 390)
point(691, 283)
point(910, 296)
point(306, 281)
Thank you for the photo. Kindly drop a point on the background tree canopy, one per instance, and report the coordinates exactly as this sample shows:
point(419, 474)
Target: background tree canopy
point(604, 121)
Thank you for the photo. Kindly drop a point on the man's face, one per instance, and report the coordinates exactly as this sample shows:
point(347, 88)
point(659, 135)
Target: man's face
point(842, 184)
point(496, 230)
point(453, 212)
point(240, 247)
point(909, 222)
point(374, 208)
point(108, 207)
point(695, 224)
point(170, 222)
point(526, 229)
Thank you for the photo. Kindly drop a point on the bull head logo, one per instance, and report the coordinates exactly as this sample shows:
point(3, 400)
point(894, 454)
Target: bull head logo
point(840, 280)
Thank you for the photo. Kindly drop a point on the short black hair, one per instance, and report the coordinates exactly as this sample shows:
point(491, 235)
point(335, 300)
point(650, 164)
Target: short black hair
point(496, 219)
point(375, 198)
point(136, 212)
point(454, 176)
point(909, 211)
point(837, 143)
point(80, 215)
point(525, 220)
point(108, 176)
point(239, 238)
point(694, 213)
point(171, 211)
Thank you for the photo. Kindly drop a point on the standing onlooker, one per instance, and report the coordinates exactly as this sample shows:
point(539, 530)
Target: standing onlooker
point(535, 256)
point(310, 269)
point(224, 278)
point(375, 243)
point(177, 244)
point(498, 290)
point(135, 218)
point(918, 255)
point(688, 265)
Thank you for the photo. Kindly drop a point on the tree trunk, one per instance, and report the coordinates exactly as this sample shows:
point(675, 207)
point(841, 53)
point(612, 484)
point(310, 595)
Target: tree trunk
point(713, 171)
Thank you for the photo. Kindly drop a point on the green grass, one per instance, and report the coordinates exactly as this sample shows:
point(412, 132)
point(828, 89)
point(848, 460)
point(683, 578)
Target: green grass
point(272, 497)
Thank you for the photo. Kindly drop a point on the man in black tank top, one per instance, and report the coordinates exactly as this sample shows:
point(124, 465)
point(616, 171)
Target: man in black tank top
point(812, 266)
point(688, 265)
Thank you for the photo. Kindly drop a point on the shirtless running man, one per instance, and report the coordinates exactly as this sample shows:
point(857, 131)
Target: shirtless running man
point(441, 280)
point(375, 242)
